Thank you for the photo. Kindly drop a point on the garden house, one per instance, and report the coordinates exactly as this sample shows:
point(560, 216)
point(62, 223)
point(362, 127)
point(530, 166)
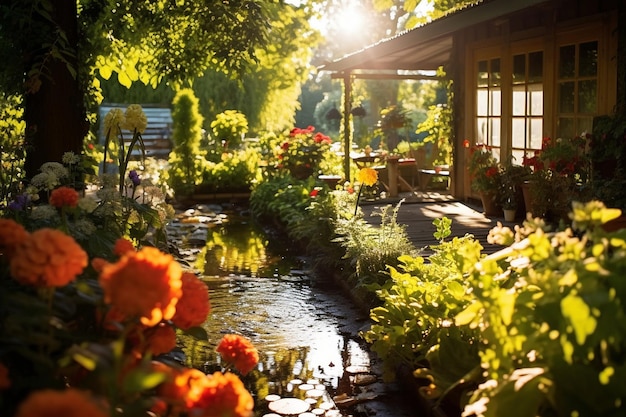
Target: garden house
point(522, 70)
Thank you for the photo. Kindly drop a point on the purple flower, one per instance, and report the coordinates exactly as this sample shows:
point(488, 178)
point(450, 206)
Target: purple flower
point(134, 177)
point(20, 203)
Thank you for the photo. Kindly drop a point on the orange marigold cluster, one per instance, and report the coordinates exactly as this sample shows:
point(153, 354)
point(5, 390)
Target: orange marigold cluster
point(48, 258)
point(224, 395)
point(239, 352)
point(67, 403)
point(161, 339)
point(123, 246)
point(145, 284)
point(203, 395)
point(12, 234)
point(64, 197)
point(194, 306)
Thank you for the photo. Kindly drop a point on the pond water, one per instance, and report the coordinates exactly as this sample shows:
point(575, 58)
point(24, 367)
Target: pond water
point(304, 328)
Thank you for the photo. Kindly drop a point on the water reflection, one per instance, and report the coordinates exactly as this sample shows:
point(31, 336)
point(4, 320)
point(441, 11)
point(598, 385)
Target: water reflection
point(292, 318)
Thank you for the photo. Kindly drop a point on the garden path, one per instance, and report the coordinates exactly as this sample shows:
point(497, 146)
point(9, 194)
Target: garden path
point(419, 210)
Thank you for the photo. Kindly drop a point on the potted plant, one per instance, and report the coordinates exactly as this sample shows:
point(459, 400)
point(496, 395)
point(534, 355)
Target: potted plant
point(302, 151)
point(560, 175)
point(485, 178)
point(510, 196)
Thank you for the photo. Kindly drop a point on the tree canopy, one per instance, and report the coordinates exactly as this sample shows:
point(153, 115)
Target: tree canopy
point(52, 50)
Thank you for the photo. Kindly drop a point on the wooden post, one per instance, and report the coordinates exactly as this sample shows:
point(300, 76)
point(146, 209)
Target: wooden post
point(347, 107)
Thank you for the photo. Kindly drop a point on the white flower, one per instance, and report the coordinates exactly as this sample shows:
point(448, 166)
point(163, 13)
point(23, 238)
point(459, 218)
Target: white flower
point(46, 181)
point(45, 212)
point(135, 119)
point(55, 168)
point(108, 194)
point(70, 158)
point(153, 195)
point(108, 181)
point(82, 228)
point(32, 192)
point(88, 204)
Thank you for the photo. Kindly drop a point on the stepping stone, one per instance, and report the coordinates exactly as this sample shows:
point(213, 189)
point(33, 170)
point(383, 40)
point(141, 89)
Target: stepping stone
point(289, 406)
point(364, 379)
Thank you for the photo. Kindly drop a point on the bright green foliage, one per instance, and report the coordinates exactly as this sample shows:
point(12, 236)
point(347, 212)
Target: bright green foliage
point(229, 127)
point(371, 249)
point(186, 159)
point(415, 324)
point(12, 150)
point(550, 309)
point(237, 171)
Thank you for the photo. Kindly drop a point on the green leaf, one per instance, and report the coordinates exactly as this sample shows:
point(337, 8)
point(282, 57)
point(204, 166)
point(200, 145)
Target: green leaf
point(197, 333)
point(468, 315)
point(521, 395)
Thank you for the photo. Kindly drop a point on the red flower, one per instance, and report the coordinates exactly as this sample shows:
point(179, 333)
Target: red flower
point(122, 246)
point(466, 143)
point(284, 146)
point(238, 351)
point(64, 197)
point(314, 193)
point(491, 172)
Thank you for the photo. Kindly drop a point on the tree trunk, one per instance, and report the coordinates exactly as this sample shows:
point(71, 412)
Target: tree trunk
point(55, 114)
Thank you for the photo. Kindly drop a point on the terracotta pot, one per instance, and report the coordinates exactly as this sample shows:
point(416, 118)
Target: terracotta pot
point(490, 207)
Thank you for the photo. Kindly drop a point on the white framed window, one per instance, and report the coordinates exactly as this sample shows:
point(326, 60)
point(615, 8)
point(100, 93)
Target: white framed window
point(489, 104)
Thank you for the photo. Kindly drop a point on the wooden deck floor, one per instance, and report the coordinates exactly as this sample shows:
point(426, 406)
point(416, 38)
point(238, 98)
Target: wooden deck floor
point(419, 210)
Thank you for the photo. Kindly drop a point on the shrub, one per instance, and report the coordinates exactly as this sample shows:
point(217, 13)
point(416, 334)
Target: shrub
point(186, 161)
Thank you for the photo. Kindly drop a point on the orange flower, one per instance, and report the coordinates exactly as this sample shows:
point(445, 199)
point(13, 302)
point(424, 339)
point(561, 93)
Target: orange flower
point(161, 339)
point(11, 235)
point(5, 381)
point(98, 264)
point(367, 176)
point(224, 395)
point(182, 387)
point(193, 307)
point(48, 258)
point(238, 351)
point(68, 403)
point(122, 246)
point(145, 284)
point(64, 197)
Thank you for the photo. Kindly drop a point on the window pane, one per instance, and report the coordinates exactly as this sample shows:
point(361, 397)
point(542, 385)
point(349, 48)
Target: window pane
point(588, 61)
point(566, 97)
point(496, 105)
point(587, 93)
point(536, 133)
point(495, 72)
point(536, 102)
point(519, 101)
point(518, 157)
point(483, 74)
point(567, 61)
point(518, 135)
point(535, 67)
point(481, 130)
point(495, 131)
point(482, 102)
point(585, 124)
point(565, 128)
point(519, 69)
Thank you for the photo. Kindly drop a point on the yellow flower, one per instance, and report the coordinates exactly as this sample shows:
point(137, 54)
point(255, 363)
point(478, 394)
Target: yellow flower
point(113, 120)
point(368, 176)
point(135, 119)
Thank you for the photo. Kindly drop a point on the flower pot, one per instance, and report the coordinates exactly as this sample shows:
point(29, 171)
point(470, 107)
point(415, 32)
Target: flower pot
point(490, 207)
point(509, 214)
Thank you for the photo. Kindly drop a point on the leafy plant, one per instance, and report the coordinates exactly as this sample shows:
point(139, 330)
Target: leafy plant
point(302, 152)
point(484, 170)
point(414, 326)
point(549, 309)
